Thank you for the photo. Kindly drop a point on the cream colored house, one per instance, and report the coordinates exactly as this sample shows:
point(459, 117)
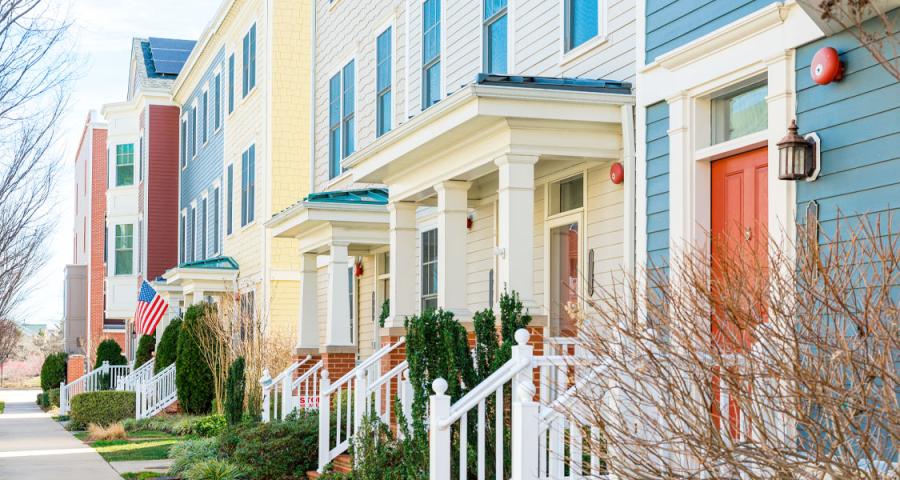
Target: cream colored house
point(249, 71)
point(495, 181)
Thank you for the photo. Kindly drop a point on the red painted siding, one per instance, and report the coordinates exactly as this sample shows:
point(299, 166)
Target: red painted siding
point(162, 189)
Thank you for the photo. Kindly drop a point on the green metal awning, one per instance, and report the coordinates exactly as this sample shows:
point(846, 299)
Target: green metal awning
point(220, 263)
point(368, 196)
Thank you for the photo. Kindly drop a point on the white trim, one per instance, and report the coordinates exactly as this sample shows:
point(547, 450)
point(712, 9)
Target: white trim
point(567, 57)
point(393, 70)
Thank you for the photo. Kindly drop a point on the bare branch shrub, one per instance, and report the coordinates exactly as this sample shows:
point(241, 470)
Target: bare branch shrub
point(755, 362)
point(34, 76)
point(10, 333)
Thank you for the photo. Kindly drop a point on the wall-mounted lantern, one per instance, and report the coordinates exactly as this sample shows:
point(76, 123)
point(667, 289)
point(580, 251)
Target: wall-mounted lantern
point(798, 157)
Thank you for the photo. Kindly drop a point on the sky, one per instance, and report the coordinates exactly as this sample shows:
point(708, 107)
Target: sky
point(101, 32)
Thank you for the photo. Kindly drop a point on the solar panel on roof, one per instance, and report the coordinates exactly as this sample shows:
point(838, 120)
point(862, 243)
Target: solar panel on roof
point(171, 43)
point(168, 68)
point(170, 55)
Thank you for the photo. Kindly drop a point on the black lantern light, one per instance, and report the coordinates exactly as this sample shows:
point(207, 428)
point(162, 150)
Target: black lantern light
point(797, 155)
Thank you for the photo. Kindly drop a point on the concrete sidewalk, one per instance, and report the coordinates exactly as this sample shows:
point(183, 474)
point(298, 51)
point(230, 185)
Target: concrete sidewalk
point(34, 447)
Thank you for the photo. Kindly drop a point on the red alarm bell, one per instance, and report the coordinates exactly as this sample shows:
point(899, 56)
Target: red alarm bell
point(358, 269)
point(616, 173)
point(826, 66)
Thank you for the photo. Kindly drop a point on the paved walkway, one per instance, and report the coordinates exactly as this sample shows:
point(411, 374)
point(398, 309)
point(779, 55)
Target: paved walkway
point(34, 447)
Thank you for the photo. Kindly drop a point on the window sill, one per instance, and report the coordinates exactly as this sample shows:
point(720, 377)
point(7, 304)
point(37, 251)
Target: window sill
point(342, 178)
point(582, 50)
point(248, 96)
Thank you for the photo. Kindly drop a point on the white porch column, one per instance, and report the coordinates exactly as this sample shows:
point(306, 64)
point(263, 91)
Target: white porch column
point(452, 200)
point(516, 222)
point(338, 321)
point(403, 263)
point(307, 326)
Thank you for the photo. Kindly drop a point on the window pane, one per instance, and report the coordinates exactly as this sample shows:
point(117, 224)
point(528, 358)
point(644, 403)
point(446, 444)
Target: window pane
point(124, 249)
point(217, 95)
point(231, 83)
point(571, 194)
point(384, 113)
point(383, 83)
point(496, 57)
point(432, 92)
point(125, 165)
point(229, 206)
point(205, 112)
point(349, 136)
point(348, 93)
point(334, 149)
point(582, 21)
point(746, 112)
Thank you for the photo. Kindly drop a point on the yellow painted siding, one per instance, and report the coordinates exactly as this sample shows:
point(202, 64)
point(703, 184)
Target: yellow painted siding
point(284, 307)
point(366, 319)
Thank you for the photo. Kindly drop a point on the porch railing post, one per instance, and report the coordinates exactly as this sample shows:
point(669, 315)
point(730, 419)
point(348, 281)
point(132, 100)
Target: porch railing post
point(63, 400)
point(439, 446)
point(520, 352)
point(525, 432)
point(286, 402)
point(324, 420)
point(406, 397)
point(359, 400)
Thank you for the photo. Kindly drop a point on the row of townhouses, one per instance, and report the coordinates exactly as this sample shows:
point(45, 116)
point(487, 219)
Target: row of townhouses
point(317, 158)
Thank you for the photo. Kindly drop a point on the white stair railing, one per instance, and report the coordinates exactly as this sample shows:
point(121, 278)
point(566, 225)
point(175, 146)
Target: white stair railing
point(105, 376)
point(350, 397)
point(137, 377)
point(271, 387)
point(156, 394)
point(284, 394)
point(546, 437)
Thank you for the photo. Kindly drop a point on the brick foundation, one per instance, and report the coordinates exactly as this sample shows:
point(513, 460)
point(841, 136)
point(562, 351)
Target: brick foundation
point(75, 367)
point(338, 364)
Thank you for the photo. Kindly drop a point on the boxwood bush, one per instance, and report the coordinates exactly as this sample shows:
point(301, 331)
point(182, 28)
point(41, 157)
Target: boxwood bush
point(167, 350)
point(53, 397)
point(103, 408)
point(275, 450)
point(53, 371)
point(145, 350)
point(193, 378)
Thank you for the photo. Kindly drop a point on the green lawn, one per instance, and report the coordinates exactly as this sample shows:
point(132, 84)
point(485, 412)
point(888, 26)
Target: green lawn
point(120, 450)
point(2, 406)
point(140, 475)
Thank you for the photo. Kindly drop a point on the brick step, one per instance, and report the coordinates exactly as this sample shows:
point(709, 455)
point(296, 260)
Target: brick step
point(342, 464)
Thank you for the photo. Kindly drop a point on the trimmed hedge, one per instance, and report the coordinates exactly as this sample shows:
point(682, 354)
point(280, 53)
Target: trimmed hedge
point(274, 450)
point(145, 350)
point(53, 396)
point(167, 350)
point(193, 378)
point(109, 351)
point(53, 371)
point(234, 392)
point(103, 408)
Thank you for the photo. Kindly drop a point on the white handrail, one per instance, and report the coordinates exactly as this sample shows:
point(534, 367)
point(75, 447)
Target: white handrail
point(483, 390)
point(272, 397)
point(377, 356)
point(91, 382)
point(156, 394)
point(137, 377)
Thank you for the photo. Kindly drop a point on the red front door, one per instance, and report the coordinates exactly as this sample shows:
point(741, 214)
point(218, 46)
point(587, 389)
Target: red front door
point(739, 221)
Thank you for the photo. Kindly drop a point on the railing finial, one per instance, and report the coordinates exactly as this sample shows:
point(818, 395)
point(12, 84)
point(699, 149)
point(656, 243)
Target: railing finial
point(439, 386)
point(522, 336)
point(324, 374)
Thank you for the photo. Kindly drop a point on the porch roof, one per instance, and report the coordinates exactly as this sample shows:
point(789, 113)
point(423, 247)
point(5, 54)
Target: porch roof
point(216, 274)
point(460, 136)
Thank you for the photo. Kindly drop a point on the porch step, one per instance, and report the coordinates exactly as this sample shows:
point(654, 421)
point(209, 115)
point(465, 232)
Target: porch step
point(342, 464)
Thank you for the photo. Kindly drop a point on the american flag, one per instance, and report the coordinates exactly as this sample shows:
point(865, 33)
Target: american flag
point(150, 309)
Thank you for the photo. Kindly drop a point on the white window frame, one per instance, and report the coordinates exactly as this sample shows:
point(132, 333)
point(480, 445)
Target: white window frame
point(567, 57)
point(510, 65)
point(204, 112)
point(424, 228)
point(393, 69)
point(441, 53)
point(217, 74)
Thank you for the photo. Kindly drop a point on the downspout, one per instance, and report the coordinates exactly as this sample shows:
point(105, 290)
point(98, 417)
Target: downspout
point(312, 100)
point(628, 158)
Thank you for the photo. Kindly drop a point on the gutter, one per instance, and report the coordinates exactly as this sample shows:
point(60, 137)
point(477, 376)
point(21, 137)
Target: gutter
point(312, 100)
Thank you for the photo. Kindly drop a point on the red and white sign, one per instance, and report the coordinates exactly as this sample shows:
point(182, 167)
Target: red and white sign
point(307, 402)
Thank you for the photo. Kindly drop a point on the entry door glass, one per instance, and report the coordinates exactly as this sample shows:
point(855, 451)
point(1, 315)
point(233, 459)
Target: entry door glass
point(564, 263)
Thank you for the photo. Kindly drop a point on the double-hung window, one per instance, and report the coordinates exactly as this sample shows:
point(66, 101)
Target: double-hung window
point(124, 249)
point(248, 184)
point(383, 83)
point(217, 101)
point(429, 269)
point(193, 131)
point(341, 117)
point(193, 234)
point(582, 22)
point(217, 205)
point(204, 123)
point(184, 147)
point(231, 83)
point(229, 199)
point(334, 126)
point(125, 165)
point(182, 240)
point(249, 60)
point(204, 221)
point(495, 36)
point(348, 110)
point(431, 52)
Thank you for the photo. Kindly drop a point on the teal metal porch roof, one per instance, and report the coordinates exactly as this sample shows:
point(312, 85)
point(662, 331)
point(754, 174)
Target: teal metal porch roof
point(221, 263)
point(367, 196)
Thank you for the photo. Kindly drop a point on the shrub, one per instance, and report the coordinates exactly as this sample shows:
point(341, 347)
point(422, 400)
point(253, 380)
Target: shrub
point(110, 351)
point(144, 351)
point(190, 452)
point(168, 346)
point(234, 392)
point(113, 431)
point(53, 371)
point(53, 397)
point(45, 400)
point(193, 377)
point(214, 470)
point(210, 426)
point(40, 399)
point(103, 408)
point(274, 450)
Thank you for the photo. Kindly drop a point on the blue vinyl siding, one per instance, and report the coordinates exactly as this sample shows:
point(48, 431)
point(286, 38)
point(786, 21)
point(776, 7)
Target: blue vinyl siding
point(207, 166)
point(673, 23)
point(858, 122)
point(657, 185)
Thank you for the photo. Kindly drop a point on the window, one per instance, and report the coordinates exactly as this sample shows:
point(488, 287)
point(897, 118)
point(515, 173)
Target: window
point(383, 83)
point(204, 218)
point(194, 131)
point(429, 270)
point(334, 126)
point(193, 235)
point(231, 83)
point(215, 209)
point(182, 240)
point(495, 43)
point(229, 199)
point(184, 143)
point(124, 249)
point(740, 112)
point(205, 120)
point(141, 159)
point(248, 184)
point(567, 195)
point(217, 101)
point(582, 22)
point(349, 110)
point(431, 52)
point(124, 165)
point(249, 60)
